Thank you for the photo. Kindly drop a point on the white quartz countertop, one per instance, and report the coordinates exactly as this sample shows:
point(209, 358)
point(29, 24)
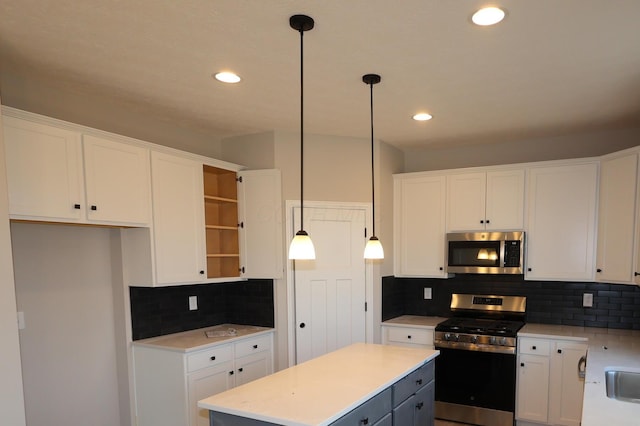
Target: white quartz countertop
point(608, 349)
point(340, 380)
point(192, 340)
point(414, 321)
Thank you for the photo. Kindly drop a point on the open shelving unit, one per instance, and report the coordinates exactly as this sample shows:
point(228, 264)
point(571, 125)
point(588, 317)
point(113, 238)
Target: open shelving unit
point(221, 222)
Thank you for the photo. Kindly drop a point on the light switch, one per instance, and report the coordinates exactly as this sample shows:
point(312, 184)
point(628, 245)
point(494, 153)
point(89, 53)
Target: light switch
point(587, 300)
point(427, 292)
point(193, 303)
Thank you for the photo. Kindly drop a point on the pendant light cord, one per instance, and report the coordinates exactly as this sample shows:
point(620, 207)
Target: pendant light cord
point(301, 129)
point(373, 192)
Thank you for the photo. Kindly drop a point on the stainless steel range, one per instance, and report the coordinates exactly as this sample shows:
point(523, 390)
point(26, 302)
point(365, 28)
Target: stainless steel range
point(476, 369)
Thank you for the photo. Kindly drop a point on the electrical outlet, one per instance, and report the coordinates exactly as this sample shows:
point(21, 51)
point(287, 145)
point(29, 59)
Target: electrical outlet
point(427, 293)
point(193, 303)
point(587, 300)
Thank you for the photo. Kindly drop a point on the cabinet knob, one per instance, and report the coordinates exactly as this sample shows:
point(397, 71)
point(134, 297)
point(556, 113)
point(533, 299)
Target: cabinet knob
point(240, 369)
point(302, 325)
point(213, 358)
point(231, 373)
point(441, 268)
point(635, 274)
point(598, 270)
point(419, 405)
point(364, 421)
point(241, 269)
point(488, 221)
point(409, 337)
point(255, 346)
point(559, 351)
point(529, 269)
point(482, 221)
point(522, 364)
point(94, 208)
point(533, 348)
point(76, 206)
point(201, 272)
point(419, 382)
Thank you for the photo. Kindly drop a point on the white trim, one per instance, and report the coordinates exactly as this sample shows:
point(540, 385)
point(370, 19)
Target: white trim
point(289, 233)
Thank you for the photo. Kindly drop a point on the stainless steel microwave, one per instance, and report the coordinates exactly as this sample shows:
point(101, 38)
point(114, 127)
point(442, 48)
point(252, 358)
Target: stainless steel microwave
point(485, 253)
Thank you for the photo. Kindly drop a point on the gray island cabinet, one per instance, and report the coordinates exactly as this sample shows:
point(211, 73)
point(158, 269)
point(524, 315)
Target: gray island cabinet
point(361, 384)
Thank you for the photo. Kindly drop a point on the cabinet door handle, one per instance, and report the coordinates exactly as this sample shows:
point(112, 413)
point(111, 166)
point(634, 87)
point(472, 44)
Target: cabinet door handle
point(76, 206)
point(635, 274)
point(255, 346)
point(94, 208)
point(582, 367)
point(364, 421)
point(419, 405)
point(213, 358)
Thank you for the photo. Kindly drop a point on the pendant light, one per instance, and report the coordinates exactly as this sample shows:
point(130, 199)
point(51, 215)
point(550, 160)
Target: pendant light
point(373, 249)
point(301, 246)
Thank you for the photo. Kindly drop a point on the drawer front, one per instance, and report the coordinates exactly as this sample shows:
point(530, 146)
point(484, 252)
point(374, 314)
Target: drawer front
point(385, 421)
point(252, 346)
point(410, 335)
point(527, 345)
point(413, 382)
point(369, 412)
point(209, 357)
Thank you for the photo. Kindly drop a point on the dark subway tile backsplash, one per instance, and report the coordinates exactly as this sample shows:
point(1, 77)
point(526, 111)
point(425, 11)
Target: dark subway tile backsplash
point(548, 302)
point(165, 310)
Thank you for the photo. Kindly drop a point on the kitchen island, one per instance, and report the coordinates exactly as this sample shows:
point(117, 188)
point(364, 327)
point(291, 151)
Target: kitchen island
point(358, 383)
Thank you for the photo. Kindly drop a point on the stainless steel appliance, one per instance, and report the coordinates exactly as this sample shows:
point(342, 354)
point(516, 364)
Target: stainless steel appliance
point(485, 252)
point(476, 369)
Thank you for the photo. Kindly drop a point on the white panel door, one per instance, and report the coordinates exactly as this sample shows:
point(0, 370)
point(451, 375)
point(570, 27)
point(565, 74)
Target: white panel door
point(505, 200)
point(330, 291)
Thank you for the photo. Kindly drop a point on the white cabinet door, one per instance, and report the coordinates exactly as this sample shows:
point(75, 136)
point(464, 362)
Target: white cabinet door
point(566, 388)
point(204, 383)
point(533, 388)
point(260, 205)
point(466, 197)
point(561, 222)
point(252, 367)
point(419, 226)
point(616, 217)
point(44, 172)
point(505, 200)
point(178, 219)
point(117, 182)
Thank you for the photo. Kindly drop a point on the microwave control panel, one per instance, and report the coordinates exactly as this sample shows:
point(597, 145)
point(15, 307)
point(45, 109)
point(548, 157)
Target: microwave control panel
point(512, 253)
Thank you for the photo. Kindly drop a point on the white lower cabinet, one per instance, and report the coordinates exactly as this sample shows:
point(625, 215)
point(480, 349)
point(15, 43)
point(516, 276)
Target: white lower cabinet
point(549, 387)
point(170, 383)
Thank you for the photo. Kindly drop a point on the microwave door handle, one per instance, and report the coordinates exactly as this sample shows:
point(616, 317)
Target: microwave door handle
point(502, 253)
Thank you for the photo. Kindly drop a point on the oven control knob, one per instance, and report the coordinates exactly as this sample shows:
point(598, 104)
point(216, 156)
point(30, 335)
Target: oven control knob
point(474, 339)
point(447, 336)
point(503, 341)
point(456, 337)
point(492, 340)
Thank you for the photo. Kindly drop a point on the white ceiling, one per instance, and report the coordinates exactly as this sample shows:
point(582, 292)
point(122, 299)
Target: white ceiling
point(551, 67)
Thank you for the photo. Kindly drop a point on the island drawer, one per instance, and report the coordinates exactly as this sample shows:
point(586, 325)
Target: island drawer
point(209, 357)
point(528, 345)
point(417, 336)
point(369, 412)
point(411, 383)
point(252, 346)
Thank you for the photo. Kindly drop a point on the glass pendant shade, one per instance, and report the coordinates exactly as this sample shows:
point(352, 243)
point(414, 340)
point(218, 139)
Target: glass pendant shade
point(373, 249)
point(301, 247)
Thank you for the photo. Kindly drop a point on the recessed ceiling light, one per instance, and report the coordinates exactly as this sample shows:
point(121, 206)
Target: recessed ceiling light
point(422, 116)
point(227, 77)
point(488, 16)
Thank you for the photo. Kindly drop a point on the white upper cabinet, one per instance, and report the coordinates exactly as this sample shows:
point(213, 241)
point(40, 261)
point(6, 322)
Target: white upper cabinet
point(178, 219)
point(47, 180)
point(419, 226)
point(492, 200)
point(616, 219)
point(260, 205)
point(117, 181)
point(561, 224)
point(44, 172)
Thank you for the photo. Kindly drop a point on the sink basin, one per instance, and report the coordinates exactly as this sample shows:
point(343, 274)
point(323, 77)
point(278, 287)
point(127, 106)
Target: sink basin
point(623, 385)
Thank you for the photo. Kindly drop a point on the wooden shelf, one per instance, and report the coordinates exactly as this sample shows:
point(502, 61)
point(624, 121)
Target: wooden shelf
point(221, 222)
